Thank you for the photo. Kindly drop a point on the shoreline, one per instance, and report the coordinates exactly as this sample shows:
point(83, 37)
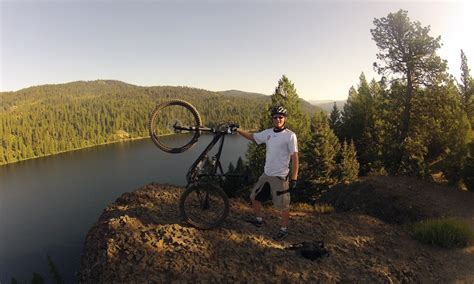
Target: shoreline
point(91, 146)
point(77, 149)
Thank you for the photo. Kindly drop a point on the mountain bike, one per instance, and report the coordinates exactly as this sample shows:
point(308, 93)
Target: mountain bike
point(203, 204)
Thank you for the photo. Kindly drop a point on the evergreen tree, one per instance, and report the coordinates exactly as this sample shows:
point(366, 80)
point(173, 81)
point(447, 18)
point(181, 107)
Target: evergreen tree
point(231, 168)
point(359, 115)
point(234, 181)
point(56, 276)
point(255, 154)
point(37, 278)
point(298, 122)
point(370, 155)
point(440, 132)
point(229, 183)
point(240, 166)
point(320, 154)
point(407, 49)
point(466, 89)
point(335, 120)
point(348, 165)
point(387, 127)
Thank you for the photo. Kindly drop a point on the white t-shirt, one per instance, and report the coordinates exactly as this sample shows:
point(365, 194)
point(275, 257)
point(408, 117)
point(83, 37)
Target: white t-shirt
point(280, 146)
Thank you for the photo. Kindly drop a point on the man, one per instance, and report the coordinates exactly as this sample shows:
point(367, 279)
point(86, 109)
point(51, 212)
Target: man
point(281, 146)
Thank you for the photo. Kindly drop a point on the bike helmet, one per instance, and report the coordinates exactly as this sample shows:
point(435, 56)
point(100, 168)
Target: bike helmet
point(278, 110)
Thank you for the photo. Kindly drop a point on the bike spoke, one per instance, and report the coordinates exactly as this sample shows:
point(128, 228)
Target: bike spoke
point(205, 206)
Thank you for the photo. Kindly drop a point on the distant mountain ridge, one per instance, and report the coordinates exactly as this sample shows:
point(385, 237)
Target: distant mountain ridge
point(54, 118)
point(327, 105)
point(239, 94)
point(306, 106)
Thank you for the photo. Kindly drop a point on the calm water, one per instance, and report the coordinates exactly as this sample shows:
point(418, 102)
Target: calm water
point(47, 205)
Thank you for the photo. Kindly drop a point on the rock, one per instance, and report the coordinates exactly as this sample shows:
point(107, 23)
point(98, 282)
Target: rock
point(140, 238)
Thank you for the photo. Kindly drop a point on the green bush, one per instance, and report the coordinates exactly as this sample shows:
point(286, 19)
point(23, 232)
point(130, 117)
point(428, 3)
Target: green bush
point(444, 232)
point(468, 173)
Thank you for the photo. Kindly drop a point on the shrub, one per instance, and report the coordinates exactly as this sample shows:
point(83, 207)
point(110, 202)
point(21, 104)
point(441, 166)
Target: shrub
point(444, 232)
point(322, 208)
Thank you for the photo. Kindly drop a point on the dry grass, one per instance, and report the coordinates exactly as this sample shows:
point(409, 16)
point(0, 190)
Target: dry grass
point(321, 208)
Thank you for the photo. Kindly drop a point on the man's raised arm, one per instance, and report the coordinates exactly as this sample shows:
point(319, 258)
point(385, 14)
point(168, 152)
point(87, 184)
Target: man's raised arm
point(246, 134)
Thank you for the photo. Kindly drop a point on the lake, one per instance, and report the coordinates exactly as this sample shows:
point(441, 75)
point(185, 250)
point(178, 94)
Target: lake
point(47, 205)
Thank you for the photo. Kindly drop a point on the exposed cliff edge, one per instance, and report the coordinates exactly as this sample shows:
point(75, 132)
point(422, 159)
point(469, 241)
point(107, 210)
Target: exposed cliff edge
point(140, 238)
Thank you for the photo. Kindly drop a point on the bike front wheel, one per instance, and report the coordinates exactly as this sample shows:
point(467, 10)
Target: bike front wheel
point(204, 205)
point(174, 126)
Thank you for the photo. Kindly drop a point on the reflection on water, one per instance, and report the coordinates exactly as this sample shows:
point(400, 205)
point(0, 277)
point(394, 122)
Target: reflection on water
point(48, 204)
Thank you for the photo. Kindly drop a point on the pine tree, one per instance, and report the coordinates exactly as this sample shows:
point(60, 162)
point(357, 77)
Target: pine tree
point(320, 154)
point(335, 120)
point(348, 166)
point(465, 86)
point(240, 166)
point(406, 49)
point(357, 111)
point(298, 122)
point(370, 152)
point(234, 181)
point(57, 278)
point(466, 89)
point(229, 183)
point(440, 132)
point(37, 278)
point(359, 120)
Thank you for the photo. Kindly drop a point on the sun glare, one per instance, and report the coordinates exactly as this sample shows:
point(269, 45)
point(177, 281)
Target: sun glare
point(456, 36)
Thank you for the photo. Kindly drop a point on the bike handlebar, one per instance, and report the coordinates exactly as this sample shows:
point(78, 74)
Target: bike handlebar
point(227, 128)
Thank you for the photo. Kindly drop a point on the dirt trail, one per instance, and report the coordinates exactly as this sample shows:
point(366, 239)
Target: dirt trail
point(140, 238)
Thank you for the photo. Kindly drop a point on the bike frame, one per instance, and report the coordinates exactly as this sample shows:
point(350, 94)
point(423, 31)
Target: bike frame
point(219, 136)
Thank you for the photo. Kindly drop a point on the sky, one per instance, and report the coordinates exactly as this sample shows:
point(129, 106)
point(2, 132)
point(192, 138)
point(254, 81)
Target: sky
point(321, 46)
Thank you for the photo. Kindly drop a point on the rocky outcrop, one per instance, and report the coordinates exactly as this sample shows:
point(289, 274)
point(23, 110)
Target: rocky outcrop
point(140, 238)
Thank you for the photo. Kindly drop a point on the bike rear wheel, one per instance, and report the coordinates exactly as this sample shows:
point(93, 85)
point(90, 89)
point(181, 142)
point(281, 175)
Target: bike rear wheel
point(176, 117)
point(204, 205)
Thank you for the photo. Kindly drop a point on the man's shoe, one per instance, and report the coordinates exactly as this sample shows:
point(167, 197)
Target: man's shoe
point(254, 222)
point(280, 235)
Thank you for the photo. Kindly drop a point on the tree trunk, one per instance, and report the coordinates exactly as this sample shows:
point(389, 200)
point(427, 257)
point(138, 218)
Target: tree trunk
point(405, 126)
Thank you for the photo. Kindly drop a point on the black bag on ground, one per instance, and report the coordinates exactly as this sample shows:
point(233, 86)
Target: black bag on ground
point(310, 250)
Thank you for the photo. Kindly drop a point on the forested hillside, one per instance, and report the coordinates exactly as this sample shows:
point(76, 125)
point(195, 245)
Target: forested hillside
point(49, 119)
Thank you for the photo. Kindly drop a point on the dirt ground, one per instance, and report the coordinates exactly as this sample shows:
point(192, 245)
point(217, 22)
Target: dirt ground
point(140, 238)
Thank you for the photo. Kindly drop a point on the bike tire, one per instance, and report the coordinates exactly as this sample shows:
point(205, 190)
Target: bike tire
point(195, 211)
point(168, 114)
